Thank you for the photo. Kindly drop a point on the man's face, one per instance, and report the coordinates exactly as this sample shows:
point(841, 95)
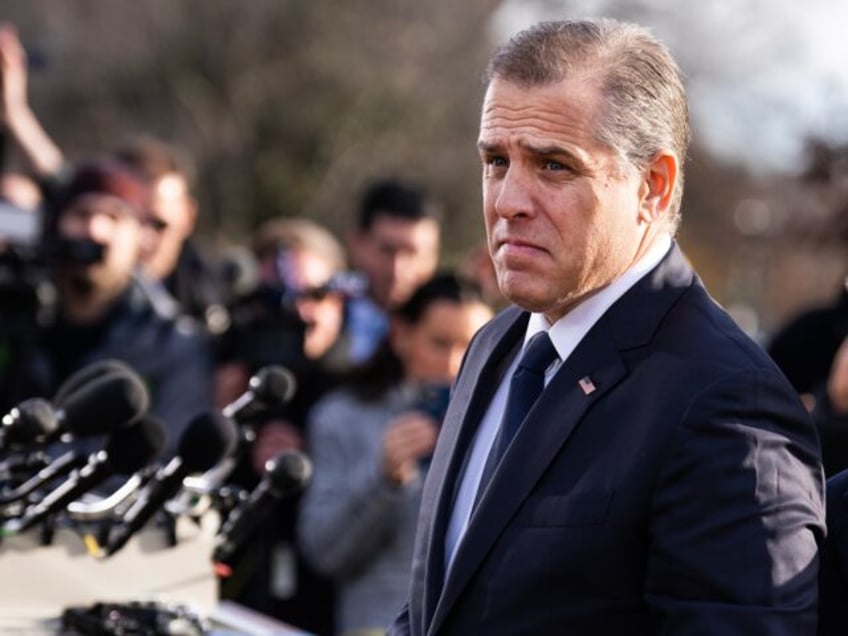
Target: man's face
point(174, 212)
point(562, 212)
point(322, 310)
point(110, 222)
point(396, 255)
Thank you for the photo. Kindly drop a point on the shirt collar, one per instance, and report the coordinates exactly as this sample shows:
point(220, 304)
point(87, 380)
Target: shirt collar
point(567, 332)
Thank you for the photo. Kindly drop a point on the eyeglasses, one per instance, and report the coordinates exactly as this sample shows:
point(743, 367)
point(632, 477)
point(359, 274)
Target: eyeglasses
point(311, 293)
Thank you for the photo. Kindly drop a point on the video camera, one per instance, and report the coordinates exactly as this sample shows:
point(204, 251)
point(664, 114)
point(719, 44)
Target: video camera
point(266, 328)
point(29, 249)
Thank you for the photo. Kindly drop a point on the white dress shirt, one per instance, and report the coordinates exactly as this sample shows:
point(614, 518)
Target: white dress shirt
point(565, 334)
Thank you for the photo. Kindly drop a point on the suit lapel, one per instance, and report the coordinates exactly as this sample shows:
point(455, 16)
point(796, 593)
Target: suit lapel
point(628, 324)
point(534, 447)
point(476, 386)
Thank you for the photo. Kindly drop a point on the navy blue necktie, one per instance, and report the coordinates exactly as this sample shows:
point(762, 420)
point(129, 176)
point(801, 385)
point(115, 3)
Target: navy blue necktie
point(525, 387)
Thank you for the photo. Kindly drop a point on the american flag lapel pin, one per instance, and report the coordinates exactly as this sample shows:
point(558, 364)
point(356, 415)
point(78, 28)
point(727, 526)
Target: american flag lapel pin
point(587, 385)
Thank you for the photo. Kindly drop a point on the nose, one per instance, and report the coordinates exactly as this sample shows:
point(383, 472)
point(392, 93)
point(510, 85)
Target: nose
point(99, 228)
point(513, 194)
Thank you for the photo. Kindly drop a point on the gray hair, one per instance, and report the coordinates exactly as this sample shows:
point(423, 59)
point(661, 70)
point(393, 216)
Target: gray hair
point(645, 103)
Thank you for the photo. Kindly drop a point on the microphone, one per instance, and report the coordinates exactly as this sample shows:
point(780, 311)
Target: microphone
point(57, 468)
point(83, 376)
point(31, 420)
point(285, 474)
point(94, 408)
point(104, 508)
point(128, 450)
point(208, 438)
point(270, 386)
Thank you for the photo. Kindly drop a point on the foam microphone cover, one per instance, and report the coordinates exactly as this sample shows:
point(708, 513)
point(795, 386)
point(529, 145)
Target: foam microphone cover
point(32, 420)
point(207, 439)
point(133, 447)
point(114, 400)
point(287, 472)
point(273, 384)
point(85, 375)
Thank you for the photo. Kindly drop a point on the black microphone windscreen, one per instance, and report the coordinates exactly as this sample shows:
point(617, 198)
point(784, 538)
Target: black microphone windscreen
point(288, 472)
point(133, 447)
point(29, 421)
point(207, 439)
point(85, 375)
point(273, 384)
point(116, 399)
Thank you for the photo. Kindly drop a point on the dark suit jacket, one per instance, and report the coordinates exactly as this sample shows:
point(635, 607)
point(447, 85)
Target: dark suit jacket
point(682, 496)
point(833, 606)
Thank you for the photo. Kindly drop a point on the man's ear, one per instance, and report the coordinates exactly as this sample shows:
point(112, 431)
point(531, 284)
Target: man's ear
point(658, 186)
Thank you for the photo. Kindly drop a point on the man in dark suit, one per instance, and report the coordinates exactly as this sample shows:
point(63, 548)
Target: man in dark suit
point(667, 480)
point(833, 577)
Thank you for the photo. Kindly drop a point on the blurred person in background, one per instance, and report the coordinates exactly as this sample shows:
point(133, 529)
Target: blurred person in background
point(173, 258)
point(170, 256)
point(833, 576)
point(105, 308)
point(20, 190)
point(370, 439)
point(395, 244)
point(294, 318)
point(477, 265)
point(812, 350)
point(20, 122)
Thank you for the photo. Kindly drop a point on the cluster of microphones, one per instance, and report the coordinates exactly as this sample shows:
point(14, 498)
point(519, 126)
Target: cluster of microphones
point(47, 482)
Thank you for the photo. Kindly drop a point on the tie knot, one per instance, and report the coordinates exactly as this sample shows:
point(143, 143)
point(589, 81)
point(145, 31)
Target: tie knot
point(539, 353)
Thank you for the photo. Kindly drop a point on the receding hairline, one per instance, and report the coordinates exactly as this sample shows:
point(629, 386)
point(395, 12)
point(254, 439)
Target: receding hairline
point(526, 58)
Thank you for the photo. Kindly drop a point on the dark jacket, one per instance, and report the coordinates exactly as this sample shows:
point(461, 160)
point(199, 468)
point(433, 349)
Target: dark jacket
point(682, 495)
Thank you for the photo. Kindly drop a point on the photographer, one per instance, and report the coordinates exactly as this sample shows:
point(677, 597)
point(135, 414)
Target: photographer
point(294, 318)
point(812, 350)
point(370, 439)
point(171, 258)
point(105, 308)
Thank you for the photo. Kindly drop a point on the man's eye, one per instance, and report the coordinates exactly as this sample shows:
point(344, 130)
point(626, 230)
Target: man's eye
point(550, 164)
point(495, 162)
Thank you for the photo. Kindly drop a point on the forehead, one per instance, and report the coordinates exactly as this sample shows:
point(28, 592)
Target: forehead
point(171, 185)
point(99, 203)
point(311, 267)
point(397, 230)
point(557, 111)
point(454, 319)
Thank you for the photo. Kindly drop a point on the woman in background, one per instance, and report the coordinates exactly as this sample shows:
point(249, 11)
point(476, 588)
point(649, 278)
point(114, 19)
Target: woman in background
point(370, 440)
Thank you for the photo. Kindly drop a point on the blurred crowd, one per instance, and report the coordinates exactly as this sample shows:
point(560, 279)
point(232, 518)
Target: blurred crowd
point(99, 262)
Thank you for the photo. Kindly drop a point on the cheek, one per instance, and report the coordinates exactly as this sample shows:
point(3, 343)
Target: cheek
point(328, 317)
point(126, 245)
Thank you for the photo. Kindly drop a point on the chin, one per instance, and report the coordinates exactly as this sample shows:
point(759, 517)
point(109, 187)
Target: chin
point(524, 300)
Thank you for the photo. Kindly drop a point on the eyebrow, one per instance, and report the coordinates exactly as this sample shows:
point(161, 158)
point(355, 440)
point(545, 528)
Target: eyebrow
point(553, 149)
point(489, 147)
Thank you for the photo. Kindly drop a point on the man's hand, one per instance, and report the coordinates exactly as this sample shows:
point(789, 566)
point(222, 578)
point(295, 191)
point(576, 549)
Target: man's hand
point(409, 438)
